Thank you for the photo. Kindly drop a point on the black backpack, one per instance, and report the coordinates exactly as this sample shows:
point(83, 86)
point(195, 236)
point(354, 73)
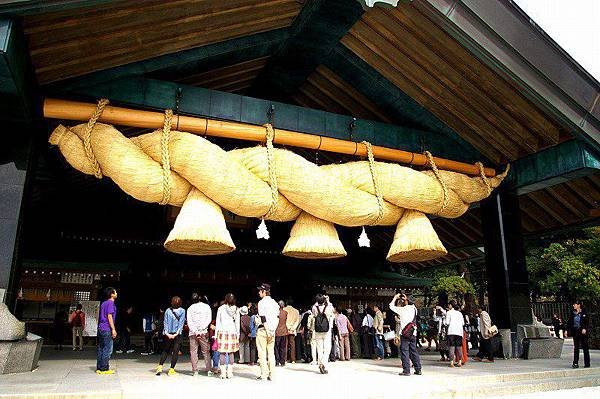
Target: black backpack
point(321, 322)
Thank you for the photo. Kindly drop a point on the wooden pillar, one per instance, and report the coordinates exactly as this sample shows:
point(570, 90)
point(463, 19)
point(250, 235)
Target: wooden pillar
point(508, 282)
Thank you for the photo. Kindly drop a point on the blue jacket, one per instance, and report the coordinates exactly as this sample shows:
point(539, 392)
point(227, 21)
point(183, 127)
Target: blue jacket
point(252, 327)
point(174, 321)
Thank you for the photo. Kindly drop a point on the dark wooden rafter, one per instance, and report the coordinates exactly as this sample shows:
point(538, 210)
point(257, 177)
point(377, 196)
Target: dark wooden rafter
point(315, 33)
point(325, 90)
point(440, 74)
point(65, 45)
point(504, 92)
point(418, 57)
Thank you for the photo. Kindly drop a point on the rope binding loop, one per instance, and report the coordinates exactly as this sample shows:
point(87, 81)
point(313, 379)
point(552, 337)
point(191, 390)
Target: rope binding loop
point(438, 176)
point(165, 157)
point(375, 182)
point(87, 136)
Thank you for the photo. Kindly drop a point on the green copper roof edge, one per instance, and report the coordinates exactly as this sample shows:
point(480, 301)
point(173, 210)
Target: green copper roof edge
point(554, 165)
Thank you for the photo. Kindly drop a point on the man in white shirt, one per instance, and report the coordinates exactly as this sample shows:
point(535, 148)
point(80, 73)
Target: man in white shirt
point(199, 316)
point(366, 335)
point(407, 314)
point(268, 316)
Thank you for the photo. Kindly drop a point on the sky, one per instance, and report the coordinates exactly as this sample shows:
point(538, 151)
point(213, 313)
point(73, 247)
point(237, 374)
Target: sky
point(573, 24)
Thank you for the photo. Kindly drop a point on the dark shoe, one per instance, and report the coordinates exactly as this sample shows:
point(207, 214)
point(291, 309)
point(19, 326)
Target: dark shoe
point(586, 367)
point(575, 366)
point(259, 378)
point(269, 378)
point(477, 359)
point(405, 374)
point(321, 369)
point(418, 372)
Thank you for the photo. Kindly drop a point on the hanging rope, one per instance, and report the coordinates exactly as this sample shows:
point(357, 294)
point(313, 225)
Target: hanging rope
point(87, 137)
point(271, 169)
point(484, 178)
point(375, 182)
point(166, 161)
point(438, 176)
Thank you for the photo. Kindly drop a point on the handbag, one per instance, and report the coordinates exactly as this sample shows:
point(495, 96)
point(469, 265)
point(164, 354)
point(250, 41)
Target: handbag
point(390, 335)
point(409, 329)
point(493, 330)
point(397, 340)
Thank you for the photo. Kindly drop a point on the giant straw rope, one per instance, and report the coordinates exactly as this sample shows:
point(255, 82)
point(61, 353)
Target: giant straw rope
point(183, 169)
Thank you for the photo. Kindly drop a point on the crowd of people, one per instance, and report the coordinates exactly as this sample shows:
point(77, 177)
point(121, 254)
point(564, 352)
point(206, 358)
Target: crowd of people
point(272, 333)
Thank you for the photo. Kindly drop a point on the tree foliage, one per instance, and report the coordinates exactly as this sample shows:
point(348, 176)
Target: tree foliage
point(452, 286)
point(567, 270)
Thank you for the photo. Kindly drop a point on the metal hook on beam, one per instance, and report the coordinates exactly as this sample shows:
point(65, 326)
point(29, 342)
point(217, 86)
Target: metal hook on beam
point(351, 127)
point(271, 114)
point(178, 96)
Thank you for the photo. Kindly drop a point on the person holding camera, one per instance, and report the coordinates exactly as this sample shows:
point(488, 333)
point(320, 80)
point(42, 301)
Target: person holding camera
point(408, 316)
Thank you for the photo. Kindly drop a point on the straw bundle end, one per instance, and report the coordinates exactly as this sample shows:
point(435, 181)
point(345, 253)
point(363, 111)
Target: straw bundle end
point(415, 240)
point(313, 238)
point(199, 228)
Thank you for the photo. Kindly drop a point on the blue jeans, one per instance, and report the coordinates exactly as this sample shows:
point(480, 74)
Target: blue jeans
point(215, 359)
point(105, 348)
point(379, 345)
point(408, 353)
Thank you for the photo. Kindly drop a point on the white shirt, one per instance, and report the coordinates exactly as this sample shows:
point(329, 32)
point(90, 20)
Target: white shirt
point(199, 316)
point(367, 321)
point(268, 308)
point(439, 319)
point(406, 314)
point(228, 319)
point(455, 322)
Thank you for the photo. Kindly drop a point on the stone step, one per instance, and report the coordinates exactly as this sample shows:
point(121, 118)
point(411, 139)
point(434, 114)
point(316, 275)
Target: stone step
point(530, 376)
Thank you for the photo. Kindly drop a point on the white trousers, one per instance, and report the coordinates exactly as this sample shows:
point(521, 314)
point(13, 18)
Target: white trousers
point(323, 341)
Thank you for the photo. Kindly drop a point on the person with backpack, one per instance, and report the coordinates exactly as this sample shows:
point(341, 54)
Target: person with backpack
point(322, 311)
point(408, 315)
point(173, 326)
point(77, 322)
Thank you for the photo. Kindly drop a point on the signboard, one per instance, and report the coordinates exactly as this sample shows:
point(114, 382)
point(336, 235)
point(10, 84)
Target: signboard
point(336, 290)
point(77, 278)
point(91, 310)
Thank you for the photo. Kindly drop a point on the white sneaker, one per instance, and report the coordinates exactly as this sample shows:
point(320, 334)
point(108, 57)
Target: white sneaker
point(210, 373)
point(131, 351)
point(119, 351)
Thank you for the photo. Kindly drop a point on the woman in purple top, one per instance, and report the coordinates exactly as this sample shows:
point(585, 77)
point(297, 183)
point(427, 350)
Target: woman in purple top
point(106, 331)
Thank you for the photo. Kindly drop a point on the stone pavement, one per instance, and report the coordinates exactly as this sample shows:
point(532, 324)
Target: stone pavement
point(70, 374)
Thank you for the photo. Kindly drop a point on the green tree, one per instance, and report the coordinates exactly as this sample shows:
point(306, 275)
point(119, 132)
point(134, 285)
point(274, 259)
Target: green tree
point(567, 270)
point(453, 286)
